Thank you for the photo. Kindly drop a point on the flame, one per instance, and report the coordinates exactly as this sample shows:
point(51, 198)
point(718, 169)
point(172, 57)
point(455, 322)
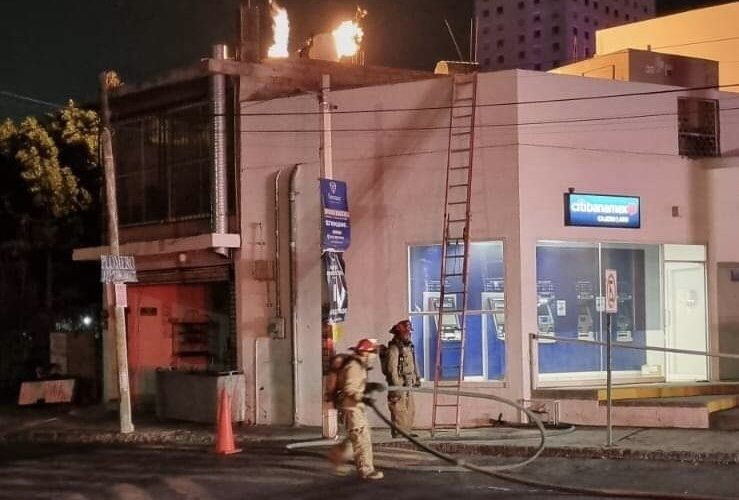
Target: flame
point(347, 37)
point(281, 25)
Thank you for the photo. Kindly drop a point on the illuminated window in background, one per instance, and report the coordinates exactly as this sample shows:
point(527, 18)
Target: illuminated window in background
point(485, 319)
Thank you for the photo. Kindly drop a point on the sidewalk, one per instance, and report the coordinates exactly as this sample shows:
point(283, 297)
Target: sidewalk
point(95, 425)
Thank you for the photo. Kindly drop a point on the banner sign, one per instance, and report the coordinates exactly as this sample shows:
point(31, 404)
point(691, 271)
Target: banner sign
point(338, 293)
point(336, 230)
point(117, 269)
point(598, 210)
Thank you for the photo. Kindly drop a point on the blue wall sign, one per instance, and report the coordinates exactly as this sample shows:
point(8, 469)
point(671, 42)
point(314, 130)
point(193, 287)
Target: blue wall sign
point(336, 229)
point(599, 210)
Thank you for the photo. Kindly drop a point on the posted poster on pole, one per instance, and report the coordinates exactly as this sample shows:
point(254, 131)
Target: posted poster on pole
point(338, 294)
point(335, 225)
point(611, 291)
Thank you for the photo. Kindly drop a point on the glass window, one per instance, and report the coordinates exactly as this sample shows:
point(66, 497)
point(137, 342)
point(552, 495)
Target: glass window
point(485, 318)
point(570, 298)
point(163, 166)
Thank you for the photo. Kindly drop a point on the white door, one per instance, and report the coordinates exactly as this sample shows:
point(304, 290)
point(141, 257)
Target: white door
point(685, 304)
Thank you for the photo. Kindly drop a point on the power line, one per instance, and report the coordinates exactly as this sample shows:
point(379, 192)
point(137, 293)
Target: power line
point(489, 125)
point(508, 103)
point(714, 40)
point(20, 97)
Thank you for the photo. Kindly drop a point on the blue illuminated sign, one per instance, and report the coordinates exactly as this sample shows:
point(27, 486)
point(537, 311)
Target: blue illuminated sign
point(599, 210)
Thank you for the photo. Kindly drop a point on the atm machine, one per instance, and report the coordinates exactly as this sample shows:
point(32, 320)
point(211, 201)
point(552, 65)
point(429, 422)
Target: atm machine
point(585, 306)
point(450, 330)
point(493, 305)
point(625, 316)
point(544, 315)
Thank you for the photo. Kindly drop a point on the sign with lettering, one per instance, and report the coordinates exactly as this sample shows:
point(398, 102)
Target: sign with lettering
point(336, 229)
point(338, 293)
point(117, 269)
point(611, 291)
point(46, 391)
point(599, 210)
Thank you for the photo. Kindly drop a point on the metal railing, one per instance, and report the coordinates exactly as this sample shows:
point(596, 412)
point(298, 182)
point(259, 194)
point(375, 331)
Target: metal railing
point(609, 344)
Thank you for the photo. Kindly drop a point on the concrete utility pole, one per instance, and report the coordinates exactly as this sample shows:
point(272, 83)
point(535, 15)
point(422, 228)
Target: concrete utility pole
point(108, 80)
point(330, 416)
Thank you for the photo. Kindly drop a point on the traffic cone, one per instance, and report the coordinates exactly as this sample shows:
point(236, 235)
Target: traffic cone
point(225, 436)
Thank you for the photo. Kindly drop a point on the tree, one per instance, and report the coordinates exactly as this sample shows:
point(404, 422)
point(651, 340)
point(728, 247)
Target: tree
point(49, 203)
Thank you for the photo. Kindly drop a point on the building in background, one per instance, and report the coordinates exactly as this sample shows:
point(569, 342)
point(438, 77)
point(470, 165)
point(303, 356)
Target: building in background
point(545, 34)
point(709, 33)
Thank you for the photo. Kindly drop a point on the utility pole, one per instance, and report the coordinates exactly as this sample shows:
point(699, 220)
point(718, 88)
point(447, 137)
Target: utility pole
point(330, 416)
point(108, 80)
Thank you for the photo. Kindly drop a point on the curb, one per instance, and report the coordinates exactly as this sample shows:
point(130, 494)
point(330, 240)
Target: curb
point(190, 438)
point(181, 438)
point(453, 448)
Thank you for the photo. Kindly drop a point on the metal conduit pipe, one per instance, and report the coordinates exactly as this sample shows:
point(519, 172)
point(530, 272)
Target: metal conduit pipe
point(219, 184)
point(278, 288)
point(296, 360)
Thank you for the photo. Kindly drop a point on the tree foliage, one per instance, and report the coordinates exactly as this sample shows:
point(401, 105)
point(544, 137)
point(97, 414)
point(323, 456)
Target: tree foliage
point(55, 158)
point(49, 204)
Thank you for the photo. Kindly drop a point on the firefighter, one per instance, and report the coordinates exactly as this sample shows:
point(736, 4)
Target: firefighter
point(401, 370)
point(351, 387)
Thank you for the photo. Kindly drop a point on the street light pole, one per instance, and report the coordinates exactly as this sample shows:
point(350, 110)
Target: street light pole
point(108, 79)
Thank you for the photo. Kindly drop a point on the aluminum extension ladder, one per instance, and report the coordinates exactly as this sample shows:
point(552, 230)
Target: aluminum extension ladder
point(455, 250)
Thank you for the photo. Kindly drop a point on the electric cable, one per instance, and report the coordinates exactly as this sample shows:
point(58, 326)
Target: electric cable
point(33, 100)
point(494, 104)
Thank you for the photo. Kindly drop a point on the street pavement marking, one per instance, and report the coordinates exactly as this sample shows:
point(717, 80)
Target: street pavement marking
point(187, 487)
point(128, 491)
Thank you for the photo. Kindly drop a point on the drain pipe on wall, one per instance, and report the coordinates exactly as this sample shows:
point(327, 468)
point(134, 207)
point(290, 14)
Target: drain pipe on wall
point(219, 183)
point(296, 354)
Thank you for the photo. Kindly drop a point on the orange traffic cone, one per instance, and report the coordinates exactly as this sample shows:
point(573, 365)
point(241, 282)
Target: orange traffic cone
point(225, 436)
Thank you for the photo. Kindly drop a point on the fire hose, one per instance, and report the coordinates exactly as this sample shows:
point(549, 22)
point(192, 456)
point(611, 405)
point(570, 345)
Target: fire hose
point(497, 470)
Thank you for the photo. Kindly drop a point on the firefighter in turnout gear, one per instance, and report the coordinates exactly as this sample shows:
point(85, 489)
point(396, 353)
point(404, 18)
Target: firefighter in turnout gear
point(401, 370)
point(351, 387)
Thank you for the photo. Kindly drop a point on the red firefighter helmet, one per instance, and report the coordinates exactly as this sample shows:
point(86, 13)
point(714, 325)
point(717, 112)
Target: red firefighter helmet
point(366, 345)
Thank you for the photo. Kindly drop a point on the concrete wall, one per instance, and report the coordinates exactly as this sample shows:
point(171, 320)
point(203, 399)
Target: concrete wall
point(268, 363)
point(708, 33)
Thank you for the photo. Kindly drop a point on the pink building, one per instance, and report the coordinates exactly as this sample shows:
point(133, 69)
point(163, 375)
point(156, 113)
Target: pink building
point(545, 34)
point(550, 151)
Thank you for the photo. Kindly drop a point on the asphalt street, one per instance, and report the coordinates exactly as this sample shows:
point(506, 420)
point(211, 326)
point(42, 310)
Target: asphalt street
point(269, 471)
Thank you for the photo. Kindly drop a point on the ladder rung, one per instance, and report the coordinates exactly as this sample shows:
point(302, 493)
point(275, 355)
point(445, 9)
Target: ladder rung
point(460, 150)
point(462, 116)
point(446, 405)
point(455, 134)
point(455, 256)
point(458, 185)
point(457, 203)
point(456, 220)
point(463, 99)
point(452, 275)
point(466, 167)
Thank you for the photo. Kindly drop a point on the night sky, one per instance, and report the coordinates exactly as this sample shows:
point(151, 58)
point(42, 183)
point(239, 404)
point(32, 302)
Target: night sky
point(54, 49)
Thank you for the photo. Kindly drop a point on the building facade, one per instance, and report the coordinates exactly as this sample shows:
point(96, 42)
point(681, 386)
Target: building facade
point(540, 139)
point(708, 33)
point(545, 34)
